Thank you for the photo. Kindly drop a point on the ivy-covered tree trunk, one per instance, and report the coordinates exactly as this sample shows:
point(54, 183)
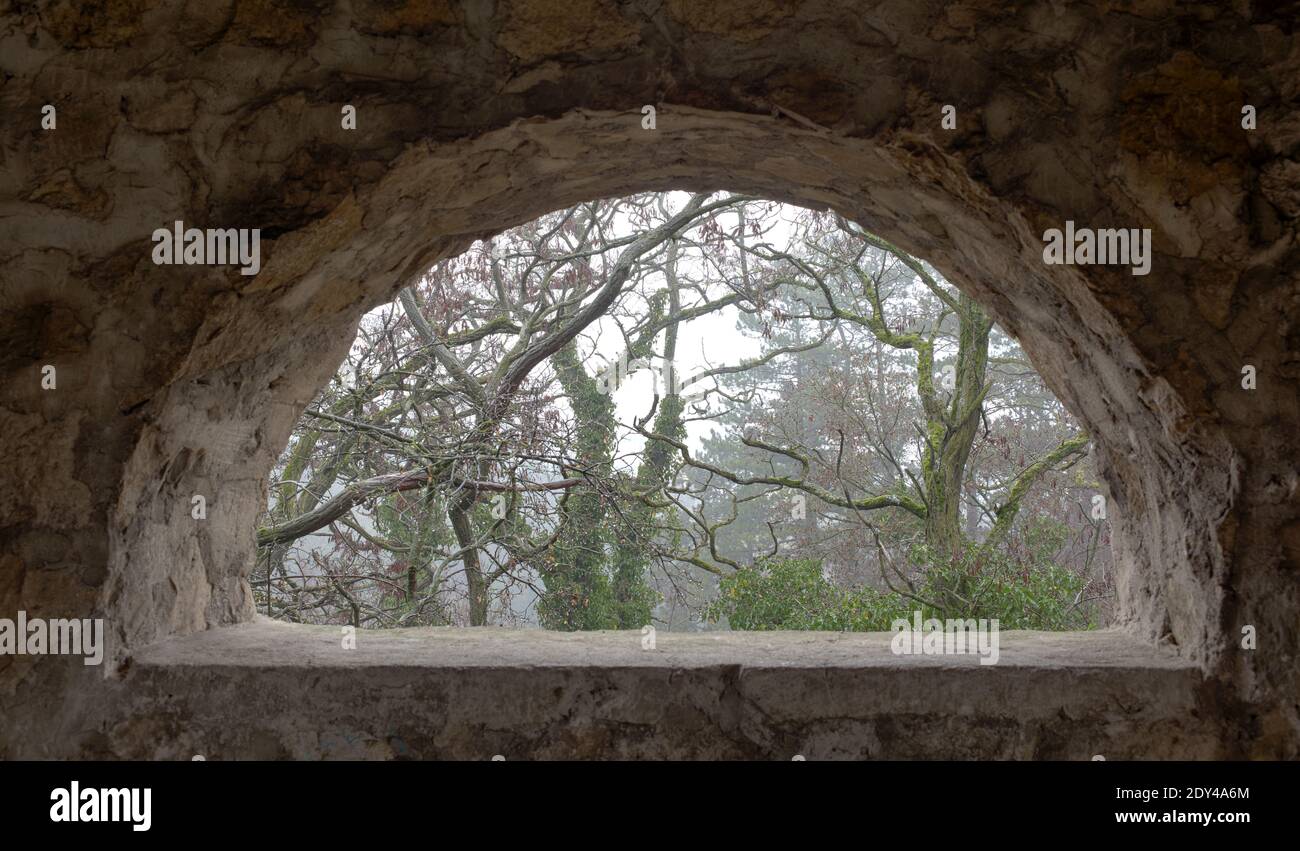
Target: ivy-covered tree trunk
point(578, 593)
point(634, 599)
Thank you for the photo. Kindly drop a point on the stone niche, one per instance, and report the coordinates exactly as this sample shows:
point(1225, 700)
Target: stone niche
point(175, 381)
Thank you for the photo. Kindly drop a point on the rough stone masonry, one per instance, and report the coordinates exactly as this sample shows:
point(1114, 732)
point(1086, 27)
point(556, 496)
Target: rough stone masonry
point(176, 381)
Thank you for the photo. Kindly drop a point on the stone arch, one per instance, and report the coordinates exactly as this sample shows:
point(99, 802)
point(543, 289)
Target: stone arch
point(178, 381)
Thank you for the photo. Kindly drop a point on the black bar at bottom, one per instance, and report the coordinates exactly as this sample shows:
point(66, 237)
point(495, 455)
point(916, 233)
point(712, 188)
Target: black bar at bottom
point(334, 800)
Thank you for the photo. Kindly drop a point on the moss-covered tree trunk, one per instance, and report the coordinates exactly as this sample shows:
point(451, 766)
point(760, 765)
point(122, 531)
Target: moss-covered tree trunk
point(459, 514)
point(953, 400)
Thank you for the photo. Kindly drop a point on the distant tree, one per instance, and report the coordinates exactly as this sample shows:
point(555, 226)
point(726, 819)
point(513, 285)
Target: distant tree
point(842, 433)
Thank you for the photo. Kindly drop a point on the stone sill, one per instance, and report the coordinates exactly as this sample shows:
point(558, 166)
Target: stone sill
point(275, 644)
point(273, 690)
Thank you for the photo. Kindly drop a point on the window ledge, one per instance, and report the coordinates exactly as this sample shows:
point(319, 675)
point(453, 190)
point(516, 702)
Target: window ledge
point(267, 689)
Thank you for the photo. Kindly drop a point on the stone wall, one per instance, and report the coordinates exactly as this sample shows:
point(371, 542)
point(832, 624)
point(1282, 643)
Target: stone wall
point(177, 381)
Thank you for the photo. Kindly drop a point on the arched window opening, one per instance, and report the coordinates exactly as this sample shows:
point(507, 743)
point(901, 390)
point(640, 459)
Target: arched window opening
point(688, 412)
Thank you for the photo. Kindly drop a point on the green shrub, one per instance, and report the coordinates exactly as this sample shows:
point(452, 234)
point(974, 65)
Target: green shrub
point(1023, 589)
